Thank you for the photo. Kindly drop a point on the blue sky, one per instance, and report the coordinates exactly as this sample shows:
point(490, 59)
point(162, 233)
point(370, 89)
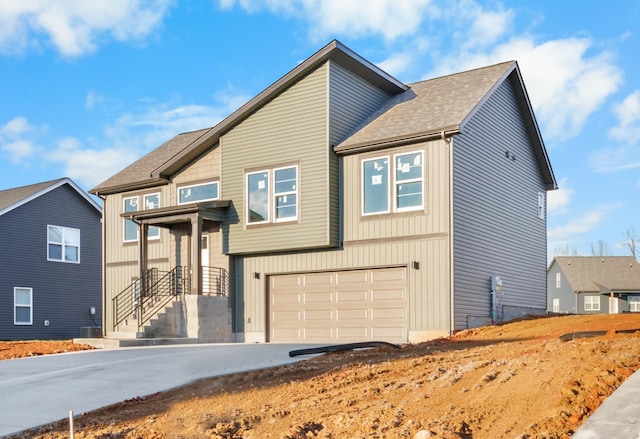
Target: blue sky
point(88, 87)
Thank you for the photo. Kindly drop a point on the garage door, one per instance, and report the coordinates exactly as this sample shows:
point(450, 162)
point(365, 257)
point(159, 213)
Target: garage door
point(342, 306)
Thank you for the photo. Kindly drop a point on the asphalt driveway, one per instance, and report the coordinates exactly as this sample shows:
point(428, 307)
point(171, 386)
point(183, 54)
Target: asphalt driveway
point(39, 390)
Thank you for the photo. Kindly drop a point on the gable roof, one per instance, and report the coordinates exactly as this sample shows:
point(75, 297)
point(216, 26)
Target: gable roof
point(13, 198)
point(440, 107)
point(156, 167)
point(590, 273)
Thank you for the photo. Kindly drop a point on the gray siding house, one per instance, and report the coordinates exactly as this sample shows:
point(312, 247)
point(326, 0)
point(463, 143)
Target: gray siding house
point(593, 285)
point(51, 265)
point(339, 204)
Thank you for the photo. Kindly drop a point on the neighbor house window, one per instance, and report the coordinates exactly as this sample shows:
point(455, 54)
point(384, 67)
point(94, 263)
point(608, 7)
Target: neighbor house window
point(63, 244)
point(592, 303)
point(393, 184)
point(198, 192)
point(272, 195)
point(634, 303)
point(541, 205)
point(558, 279)
point(22, 306)
point(556, 305)
point(131, 204)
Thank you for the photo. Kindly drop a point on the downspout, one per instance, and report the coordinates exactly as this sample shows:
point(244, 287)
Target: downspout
point(103, 269)
point(452, 322)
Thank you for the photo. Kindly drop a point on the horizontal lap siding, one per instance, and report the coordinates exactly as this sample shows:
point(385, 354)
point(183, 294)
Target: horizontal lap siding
point(62, 292)
point(291, 128)
point(496, 227)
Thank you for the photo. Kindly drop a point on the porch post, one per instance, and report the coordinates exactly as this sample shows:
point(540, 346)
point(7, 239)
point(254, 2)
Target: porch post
point(143, 234)
point(196, 255)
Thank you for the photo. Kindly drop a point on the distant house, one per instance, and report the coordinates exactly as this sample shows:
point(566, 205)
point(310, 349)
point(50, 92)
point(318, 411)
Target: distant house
point(593, 284)
point(339, 204)
point(50, 261)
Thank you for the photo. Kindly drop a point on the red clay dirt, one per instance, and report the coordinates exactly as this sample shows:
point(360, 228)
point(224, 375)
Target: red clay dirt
point(517, 380)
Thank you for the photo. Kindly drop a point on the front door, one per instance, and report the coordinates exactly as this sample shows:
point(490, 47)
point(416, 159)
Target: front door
point(613, 305)
point(204, 258)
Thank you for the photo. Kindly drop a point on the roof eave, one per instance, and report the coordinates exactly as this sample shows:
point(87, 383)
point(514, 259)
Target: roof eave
point(396, 141)
point(334, 50)
point(142, 184)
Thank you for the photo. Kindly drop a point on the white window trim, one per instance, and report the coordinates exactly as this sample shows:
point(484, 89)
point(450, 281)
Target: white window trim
point(215, 182)
point(556, 305)
point(634, 305)
point(139, 199)
point(271, 196)
point(558, 280)
point(413, 180)
point(392, 184)
point(15, 322)
point(593, 304)
point(49, 258)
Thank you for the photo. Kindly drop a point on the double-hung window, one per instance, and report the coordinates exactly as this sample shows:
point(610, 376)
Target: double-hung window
point(198, 192)
point(592, 303)
point(393, 183)
point(63, 244)
point(634, 303)
point(132, 204)
point(541, 198)
point(22, 306)
point(272, 195)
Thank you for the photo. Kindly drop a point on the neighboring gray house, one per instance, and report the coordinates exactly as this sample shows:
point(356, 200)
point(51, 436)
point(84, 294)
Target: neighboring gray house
point(339, 204)
point(50, 261)
point(593, 284)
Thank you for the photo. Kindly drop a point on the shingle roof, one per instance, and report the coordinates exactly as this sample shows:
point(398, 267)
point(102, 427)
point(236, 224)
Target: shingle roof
point(589, 273)
point(15, 197)
point(140, 171)
point(431, 106)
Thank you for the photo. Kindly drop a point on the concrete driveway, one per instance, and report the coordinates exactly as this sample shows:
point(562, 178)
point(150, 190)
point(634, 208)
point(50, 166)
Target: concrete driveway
point(39, 390)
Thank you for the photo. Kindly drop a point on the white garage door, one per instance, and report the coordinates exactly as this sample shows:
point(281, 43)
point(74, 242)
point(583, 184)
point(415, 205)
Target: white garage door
point(342, 306)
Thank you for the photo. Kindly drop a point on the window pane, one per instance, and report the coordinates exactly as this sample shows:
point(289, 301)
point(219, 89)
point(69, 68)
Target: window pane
point(409, 195)
point(376, 185)
point(130, 230)
point(55, 252)
point(285, 180)
point(131, 204)
point(409, 166)
point(55, 234)
point(151, 201)
point(23, 296)
point(202, 192)
point(23, 314)
point(258, 197)
point(285, 206)
point(71, 254)
point(72, 237)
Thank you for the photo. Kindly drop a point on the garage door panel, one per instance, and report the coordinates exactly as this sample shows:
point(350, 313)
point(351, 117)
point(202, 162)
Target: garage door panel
point(357, 305)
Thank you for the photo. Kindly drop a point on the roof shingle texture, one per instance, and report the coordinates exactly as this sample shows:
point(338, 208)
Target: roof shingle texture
point(9, 197)
point(430, 106)
point(141, 169)
point(589, 273)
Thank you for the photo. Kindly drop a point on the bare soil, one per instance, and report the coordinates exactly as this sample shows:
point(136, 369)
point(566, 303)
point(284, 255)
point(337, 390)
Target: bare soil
point(517, 380)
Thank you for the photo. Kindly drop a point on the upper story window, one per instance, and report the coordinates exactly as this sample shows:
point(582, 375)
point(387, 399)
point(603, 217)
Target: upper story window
point(558, 280)
point(541, 205)
point(198, 192)
point(393, 186)
point(22, 306)
point(132, 204)
point(63, 244)
point(272, 195)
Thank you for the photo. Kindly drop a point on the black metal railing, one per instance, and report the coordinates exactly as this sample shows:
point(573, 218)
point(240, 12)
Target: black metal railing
point(148, 295)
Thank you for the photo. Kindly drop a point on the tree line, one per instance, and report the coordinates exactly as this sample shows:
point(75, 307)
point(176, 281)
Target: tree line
point(630, 240)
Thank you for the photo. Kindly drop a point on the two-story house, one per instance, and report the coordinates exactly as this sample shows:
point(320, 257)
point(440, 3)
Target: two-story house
point(51, 262)
point(339, 204)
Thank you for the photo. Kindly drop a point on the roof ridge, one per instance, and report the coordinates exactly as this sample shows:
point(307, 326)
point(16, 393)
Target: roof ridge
point(461, 73)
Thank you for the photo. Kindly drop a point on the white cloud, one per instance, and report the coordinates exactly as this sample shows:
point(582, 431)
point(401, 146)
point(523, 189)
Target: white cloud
point(93, 98)
point(19, 150)
point(18, 139)
point(609, 160)
point(74, 27)
point(628, 114)
point(559, 200)
point(581, 225)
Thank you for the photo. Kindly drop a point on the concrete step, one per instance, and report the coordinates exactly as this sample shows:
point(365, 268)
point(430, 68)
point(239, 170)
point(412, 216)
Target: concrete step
point(115, 343)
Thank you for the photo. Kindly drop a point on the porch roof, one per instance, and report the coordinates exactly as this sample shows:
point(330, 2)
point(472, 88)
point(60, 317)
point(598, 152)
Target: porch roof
point(184, 213)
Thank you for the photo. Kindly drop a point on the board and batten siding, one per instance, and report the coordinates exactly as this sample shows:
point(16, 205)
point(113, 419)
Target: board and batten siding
point(497, 231)
point(62, 292)
point(428, 306)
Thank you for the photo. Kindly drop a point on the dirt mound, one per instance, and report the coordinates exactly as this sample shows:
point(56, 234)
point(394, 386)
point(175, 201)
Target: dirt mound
point(517, 380)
